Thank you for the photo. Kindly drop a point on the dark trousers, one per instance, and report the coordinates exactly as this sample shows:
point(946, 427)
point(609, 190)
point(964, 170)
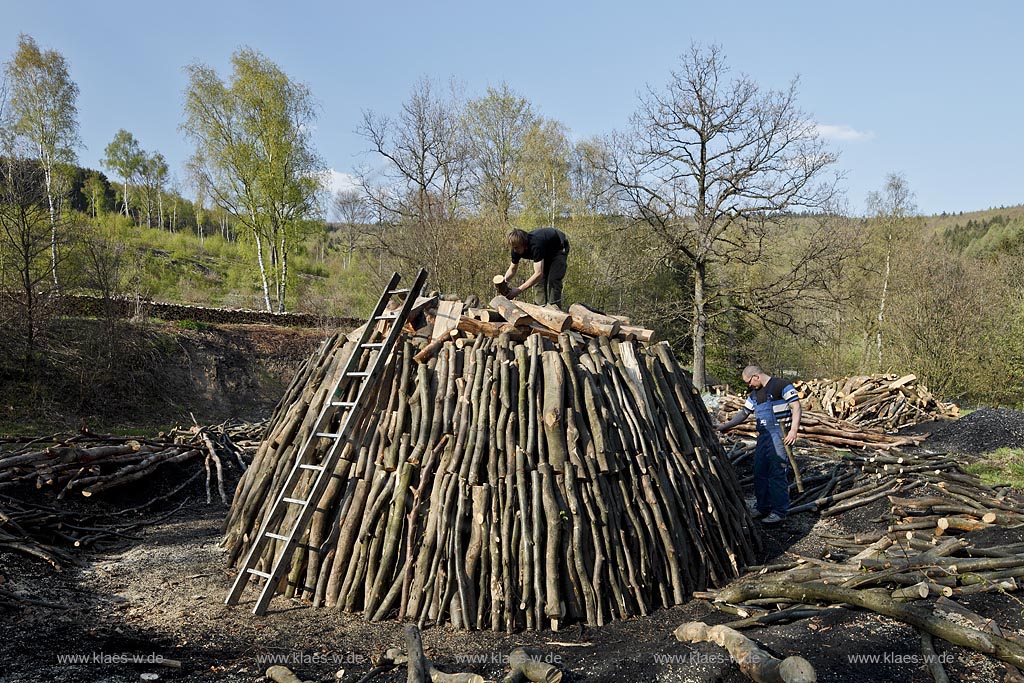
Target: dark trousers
point(771, 481)
point(550, 290)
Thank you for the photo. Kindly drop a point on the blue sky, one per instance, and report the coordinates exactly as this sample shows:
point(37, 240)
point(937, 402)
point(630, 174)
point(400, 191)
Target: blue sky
point(932, 90)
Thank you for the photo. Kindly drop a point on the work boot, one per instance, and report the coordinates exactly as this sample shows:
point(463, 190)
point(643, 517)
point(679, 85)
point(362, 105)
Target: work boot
point(772, 519)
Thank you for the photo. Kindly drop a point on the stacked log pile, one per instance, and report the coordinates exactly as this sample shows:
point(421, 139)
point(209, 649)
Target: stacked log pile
point(819, 428)
point(88, 463)
point(914, 569)
point(36, 473)
point(505, 483)
point(884, 401)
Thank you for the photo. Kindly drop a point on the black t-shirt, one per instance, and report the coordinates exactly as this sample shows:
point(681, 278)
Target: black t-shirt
point(544, 244)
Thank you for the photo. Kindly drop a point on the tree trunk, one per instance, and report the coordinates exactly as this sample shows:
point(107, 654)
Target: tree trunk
point(881, 303)
point(53, 222)
point(263, 270)
point(284, 273)
point(700, 327)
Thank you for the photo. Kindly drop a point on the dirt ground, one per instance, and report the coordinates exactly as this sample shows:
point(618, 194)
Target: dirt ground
point(161, 596)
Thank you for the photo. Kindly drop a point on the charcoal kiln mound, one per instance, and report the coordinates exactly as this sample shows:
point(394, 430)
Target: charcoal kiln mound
point(518, 481)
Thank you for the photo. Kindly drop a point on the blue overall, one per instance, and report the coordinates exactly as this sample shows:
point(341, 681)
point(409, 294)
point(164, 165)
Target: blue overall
point(771, 465)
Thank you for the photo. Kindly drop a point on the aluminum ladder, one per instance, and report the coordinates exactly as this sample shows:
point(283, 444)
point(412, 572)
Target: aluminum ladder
point(352, 412)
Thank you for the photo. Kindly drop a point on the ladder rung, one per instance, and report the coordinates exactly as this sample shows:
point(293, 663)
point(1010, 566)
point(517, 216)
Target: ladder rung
point(361, 373)
point(387, 316)
point(328, 435)
point(259, 573)
point(343, 404)
point(398, 291)
point(296, 501)
point(277, 536)
point(373, 345)
point(316, 468)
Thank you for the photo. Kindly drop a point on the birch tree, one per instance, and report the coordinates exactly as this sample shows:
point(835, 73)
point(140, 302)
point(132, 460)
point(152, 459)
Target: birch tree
point(498, 126)
point(44, 110)
point(714, 165)
point(891, 217)
point(254, 154)
point(153, 174)
point(124, 156)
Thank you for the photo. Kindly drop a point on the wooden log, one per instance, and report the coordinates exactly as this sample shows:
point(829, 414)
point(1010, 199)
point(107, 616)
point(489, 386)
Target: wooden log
point(417, 666)
point(591, 322)
point(552, 318)
point(282, 674)
point(500, 286)
point(527, 664)
point(931, 658)
point(752, 660)
point(882, 603)
point(631, 332)
point(511, 312)
point(467, 324)
point(447, 319)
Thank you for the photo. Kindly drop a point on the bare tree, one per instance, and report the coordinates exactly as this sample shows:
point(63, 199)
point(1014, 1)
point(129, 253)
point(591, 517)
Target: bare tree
point(352, 211)
point(714, 165)
point(25, 242)
point(419, 193)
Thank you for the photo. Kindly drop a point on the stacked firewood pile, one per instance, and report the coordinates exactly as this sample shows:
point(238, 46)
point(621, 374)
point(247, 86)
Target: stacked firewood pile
point(521, 474)
point(88, 463)
point(817, 428)
point(931, 552)
point(38, 476)
point(884, 401)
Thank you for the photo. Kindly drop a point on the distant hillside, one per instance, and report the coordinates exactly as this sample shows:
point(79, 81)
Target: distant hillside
point(980, 232)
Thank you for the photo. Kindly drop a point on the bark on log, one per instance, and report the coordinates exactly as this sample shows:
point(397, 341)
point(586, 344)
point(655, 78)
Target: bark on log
point(590, 322)
point(752, 660)
point(882, 603)
point(511, 312)
point(552, 318)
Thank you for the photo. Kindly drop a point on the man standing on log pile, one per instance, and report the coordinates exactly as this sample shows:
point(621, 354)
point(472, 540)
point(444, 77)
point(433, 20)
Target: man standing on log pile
point(774, 404)
point(548, 248)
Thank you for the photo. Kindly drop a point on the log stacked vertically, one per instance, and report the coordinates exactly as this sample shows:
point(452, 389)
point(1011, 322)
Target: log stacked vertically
point(506, 484)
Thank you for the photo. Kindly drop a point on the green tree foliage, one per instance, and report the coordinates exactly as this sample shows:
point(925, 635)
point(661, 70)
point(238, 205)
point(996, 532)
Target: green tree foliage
point(955, 322)
point(546, 162)
point(43, 110)
point(714, 166)
point(124, 156)
point(153, 177)
point(255, 155)
point(891, 223)
point(498, 127)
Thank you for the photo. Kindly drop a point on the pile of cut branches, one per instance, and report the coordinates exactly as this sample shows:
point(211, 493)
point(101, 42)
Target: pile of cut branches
point(914, 569)
point(38, 518)
point(885, 401)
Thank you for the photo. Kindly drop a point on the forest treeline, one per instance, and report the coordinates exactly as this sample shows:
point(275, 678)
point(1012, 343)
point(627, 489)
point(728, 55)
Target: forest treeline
point(714, 215)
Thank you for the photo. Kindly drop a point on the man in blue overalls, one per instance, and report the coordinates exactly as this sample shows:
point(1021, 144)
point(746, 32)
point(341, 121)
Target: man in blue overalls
point(775, 404)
